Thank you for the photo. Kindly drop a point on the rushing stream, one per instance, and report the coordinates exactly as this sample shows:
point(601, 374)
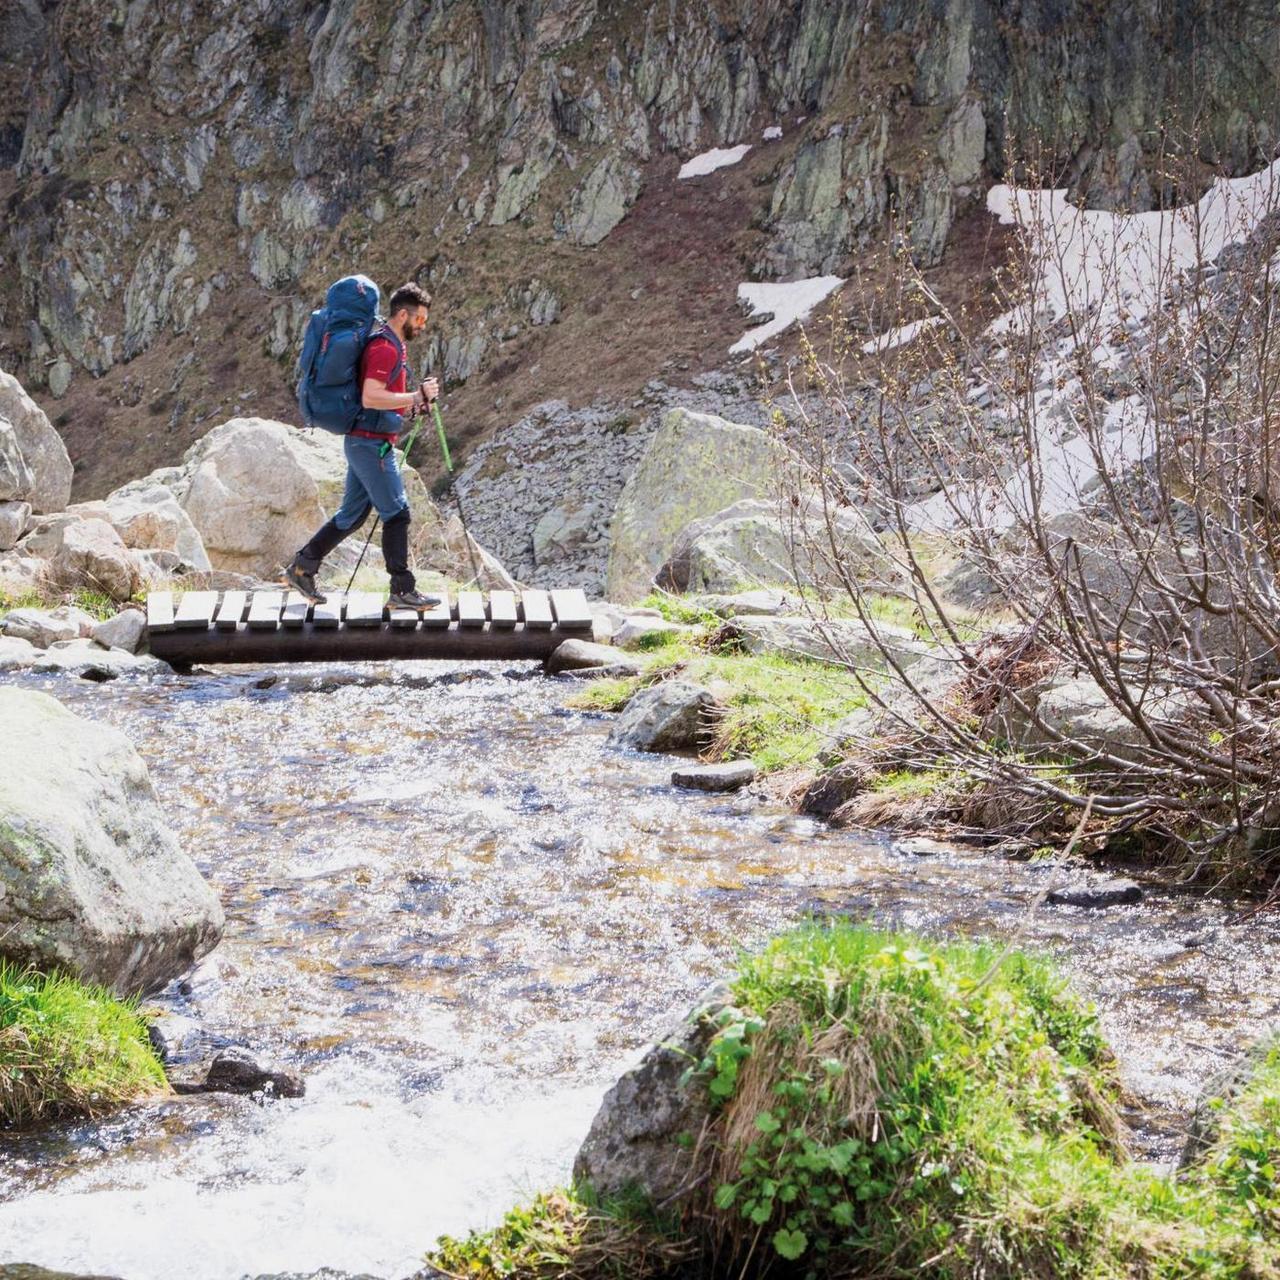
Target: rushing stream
point(458, 913)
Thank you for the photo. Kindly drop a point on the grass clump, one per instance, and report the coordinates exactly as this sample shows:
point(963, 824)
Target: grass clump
point(569, 1235)
point(68, 1050)
point(890, 1107)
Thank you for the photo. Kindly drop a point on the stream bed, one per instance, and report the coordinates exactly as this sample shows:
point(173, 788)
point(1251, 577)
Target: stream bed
point(459, 913)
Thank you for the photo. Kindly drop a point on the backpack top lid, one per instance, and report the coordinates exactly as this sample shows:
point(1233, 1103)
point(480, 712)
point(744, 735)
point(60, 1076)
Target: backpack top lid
point(353, 298)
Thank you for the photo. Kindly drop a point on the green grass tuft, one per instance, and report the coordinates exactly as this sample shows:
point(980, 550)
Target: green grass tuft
point(67, 1049)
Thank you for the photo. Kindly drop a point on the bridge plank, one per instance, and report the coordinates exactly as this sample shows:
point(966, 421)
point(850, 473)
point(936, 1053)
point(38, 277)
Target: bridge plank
point(537, 610)
point(570, 608)
point(264, 610)
point(195, 611)
point(159, 610)
point(438, 616)
point(405, 619)
point(231, 610)
point(364, 609)
point(502, 610)
point(296, 607)
point(470, 609)
point(329, 614)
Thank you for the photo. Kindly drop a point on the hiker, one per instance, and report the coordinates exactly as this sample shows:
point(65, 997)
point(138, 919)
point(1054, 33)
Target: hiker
point(373, 470)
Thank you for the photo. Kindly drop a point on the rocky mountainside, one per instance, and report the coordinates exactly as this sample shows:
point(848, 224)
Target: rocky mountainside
point(181, 179)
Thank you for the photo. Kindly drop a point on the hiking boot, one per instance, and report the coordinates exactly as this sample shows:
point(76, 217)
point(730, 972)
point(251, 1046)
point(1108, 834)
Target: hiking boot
point(302, 582)
point(411, 600)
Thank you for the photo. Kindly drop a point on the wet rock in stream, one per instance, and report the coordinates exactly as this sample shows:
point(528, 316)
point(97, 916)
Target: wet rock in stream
point(235, 1070)
point(1096, 894)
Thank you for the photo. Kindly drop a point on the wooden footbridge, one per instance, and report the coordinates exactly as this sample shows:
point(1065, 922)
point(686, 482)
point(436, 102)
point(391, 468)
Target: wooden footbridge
point(281, 626)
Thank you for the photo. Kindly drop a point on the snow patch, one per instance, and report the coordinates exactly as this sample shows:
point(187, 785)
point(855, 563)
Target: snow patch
point(772, 133)
point(787, 303)
point(1122, 263)
point(710, 161)
point(900, 336)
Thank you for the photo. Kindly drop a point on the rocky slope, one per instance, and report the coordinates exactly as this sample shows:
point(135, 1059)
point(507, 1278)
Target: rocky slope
point(182, 179)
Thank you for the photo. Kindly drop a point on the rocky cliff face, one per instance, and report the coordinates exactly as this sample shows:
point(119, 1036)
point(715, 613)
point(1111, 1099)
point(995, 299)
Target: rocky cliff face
point(183, 178)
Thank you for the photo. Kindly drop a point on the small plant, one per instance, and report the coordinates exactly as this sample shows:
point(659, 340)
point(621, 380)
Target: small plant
point(68, 1049)
point(568, 1235)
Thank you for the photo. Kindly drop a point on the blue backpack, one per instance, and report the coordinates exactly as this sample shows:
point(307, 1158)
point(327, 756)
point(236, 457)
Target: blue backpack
point(329, 367)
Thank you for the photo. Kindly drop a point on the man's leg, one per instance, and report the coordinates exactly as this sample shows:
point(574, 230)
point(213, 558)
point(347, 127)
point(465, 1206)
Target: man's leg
point(353, 512)
point(379, 473)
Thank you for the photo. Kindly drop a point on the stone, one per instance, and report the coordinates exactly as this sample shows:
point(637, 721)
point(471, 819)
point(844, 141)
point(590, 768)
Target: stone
point(159, 568)
point(125, 630)
point(16, 655)
point(637, 1138)
point(760, 603)
point(43, 627)
point(764, 542)
point(839, 641)
point(636, 629)
point(90, 661)
point(92, 555)
point(1096, 894)
point(91, 877)
point(15, 475)
point(724, 775)
point(561, 532)
point(14, 518)
point(235, 1070)
point(41, 446)
point(1077, 708)
point(583, 655)
point(832, 789)
point(259, 489)
point(672, 716)
point(152, 519)
point(695, 465)
point(922, 847)
point(602, 201)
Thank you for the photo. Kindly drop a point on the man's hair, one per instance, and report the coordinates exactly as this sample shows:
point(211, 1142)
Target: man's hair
point(408, 295)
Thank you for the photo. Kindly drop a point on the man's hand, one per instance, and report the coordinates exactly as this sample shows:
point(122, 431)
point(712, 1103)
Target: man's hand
point(425, 394)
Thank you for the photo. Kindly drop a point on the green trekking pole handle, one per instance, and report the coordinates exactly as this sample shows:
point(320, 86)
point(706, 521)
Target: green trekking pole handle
point(444, 444)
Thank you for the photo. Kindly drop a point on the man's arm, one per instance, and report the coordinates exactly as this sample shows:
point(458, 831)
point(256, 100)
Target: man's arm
point(374, 395)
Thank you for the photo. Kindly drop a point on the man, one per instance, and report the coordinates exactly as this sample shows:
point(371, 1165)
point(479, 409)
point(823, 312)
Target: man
point(373, 470)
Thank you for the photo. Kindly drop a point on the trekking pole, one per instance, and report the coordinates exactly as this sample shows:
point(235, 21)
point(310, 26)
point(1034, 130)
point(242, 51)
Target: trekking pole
point(404, 457)
point(457, 497)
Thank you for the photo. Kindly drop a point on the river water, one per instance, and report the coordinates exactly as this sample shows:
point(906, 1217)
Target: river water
point(459, 913)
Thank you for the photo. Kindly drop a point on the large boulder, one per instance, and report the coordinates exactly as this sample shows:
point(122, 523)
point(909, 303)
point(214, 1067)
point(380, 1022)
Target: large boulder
point(672, 716)
point(696, 464)
point(638, 1139)
point(92, 880)
point(14, 518)
point(43, 453)
point(1077, 708)
point(839, 641)
point(43, 627)
point(151, 518)
point(15, 475)
point(759, 542)
point(90, 553)
point(257, 490)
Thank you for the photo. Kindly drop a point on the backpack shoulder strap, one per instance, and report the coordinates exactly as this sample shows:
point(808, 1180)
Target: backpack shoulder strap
point(384, 330)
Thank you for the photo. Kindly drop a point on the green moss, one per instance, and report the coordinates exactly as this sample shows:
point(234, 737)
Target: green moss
point(67, 1049)
point(774, 709)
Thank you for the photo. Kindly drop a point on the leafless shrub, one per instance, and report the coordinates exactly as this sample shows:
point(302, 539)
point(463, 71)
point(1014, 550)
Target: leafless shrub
point(1087, 489)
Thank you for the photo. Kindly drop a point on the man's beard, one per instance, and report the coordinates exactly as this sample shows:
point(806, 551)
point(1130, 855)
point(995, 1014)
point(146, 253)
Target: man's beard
point(409, 334)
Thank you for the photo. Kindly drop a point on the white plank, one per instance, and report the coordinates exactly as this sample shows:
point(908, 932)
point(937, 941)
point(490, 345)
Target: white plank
point(537, 610)
point(470, 609)
point(502, 610)
point(159, 611)
point(264, 610)
point(438, 616)
point(231, 611)
point(295, 610)
point(329, 614)
point(571, 609)
point(364, 609)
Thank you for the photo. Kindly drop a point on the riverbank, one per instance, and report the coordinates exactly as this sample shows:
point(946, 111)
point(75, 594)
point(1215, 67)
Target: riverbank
point(864, 1103)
